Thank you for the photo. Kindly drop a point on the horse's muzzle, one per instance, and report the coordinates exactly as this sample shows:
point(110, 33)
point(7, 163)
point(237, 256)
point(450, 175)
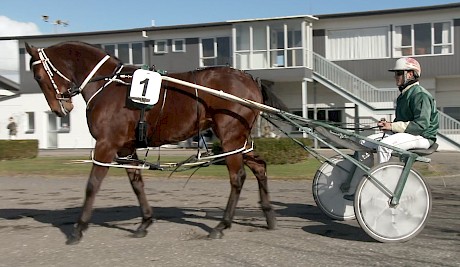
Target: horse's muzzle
point(66, 107)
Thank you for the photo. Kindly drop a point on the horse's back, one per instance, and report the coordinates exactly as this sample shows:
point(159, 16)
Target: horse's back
point(226, 79)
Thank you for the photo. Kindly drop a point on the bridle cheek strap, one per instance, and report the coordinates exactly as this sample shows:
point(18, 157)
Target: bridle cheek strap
point(51, 69)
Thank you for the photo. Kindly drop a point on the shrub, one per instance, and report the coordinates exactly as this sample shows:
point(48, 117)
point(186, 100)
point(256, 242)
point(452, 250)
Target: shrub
point(18, 149)
point(276, 151)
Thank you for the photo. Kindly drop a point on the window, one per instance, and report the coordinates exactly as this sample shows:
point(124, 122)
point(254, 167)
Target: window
point(215, 51)
point(331, 116)
point(64, 124)
point(110, 49)
point(137, 53)
point(178, 45)
point(423, 39)
point(269, 45)
point(123, 53)
point(161, 47)
point(130, 53)
point(208, 51)
point(30, 122)
point(454, 112)
point(360, 43)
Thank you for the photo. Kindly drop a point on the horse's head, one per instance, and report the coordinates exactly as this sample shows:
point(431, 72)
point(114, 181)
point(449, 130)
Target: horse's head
point(50, 76)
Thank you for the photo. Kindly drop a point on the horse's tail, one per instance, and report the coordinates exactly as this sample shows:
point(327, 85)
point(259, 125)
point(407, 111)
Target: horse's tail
point(269, 98)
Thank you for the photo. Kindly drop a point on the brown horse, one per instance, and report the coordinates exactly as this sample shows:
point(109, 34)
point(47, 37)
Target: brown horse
point(70, 68)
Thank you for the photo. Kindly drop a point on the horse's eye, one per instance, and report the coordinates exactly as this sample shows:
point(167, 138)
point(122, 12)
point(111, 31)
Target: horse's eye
point(38, 78)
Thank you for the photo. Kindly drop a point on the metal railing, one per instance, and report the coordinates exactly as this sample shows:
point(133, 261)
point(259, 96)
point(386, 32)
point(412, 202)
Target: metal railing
point(449, 127)
point(373, 96)
point(351, 83)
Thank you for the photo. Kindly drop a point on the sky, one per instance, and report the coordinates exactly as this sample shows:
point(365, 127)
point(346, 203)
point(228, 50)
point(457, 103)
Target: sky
point(25, 17)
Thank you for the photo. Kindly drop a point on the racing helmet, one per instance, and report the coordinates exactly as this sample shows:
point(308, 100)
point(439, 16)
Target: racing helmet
point(408, 63)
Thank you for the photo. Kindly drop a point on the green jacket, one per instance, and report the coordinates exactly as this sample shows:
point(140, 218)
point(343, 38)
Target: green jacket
point(418, 107)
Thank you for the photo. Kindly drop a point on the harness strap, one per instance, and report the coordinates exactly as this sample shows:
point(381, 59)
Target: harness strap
point(91, 74)
point(243, 149)
point(145, 166)
point(114, 78)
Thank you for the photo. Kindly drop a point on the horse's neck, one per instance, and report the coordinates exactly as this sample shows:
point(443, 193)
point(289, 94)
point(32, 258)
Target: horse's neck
point(107, 77)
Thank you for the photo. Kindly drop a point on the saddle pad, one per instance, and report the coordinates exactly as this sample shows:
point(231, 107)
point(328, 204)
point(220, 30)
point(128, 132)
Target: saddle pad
point(145, 87)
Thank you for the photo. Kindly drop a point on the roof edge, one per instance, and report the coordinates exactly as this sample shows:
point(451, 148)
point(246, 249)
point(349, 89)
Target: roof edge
point(388, 11)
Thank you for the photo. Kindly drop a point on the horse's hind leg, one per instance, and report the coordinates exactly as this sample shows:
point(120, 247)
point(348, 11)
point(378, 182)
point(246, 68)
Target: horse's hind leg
point(259, 168)
point(237, 177)
point(137, 183)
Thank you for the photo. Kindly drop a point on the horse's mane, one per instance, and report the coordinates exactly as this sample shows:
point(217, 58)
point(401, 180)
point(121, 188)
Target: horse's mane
point(84, 45)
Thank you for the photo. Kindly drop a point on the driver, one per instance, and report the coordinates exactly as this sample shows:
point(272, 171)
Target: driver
point(416, 122)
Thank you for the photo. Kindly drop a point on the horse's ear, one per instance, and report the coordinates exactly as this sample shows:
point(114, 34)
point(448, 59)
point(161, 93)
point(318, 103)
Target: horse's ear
point(29, 48)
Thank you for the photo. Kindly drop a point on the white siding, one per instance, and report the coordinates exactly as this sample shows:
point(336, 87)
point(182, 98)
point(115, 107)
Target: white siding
point(78, 137)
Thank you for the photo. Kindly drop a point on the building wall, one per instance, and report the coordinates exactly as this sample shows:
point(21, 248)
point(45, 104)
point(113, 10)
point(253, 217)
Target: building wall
point(177, 61)
point(372, 69)
point(77, 137)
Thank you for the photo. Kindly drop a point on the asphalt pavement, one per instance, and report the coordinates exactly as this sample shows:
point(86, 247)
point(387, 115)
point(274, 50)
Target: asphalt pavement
point(37, 213)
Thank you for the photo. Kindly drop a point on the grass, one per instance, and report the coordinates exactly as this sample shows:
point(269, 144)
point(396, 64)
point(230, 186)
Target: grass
point(64, 167)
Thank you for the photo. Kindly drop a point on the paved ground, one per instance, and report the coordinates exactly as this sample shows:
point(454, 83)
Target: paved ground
point(36, 214)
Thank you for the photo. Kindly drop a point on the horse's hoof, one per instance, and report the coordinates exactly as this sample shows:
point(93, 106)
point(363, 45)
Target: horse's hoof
point(272, 225)
point(216, 234)
point(140, 234)
point(73, 240)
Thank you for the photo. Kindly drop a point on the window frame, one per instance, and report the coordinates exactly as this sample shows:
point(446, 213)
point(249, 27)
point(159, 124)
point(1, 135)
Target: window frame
point(398, 50)
point(217, 53)
point(130, 51)
point(30, 123)
point(64, 124)
point(269, 45)
point(204, 58)
point(354, 35)
point(156, 44)
point(174, 45)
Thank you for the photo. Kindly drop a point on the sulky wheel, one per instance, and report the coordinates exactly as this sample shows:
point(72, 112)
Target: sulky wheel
point(387, 223)
point(327, 191)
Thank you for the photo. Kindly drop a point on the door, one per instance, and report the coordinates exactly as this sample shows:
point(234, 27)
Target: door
point(52, 131)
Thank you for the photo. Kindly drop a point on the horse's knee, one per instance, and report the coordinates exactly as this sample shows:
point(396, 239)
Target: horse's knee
point(238, 179)
point(257, 165)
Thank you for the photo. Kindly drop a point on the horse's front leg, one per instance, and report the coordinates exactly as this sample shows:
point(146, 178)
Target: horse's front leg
point(237, 177)
point(93, 185)
point(137, 183)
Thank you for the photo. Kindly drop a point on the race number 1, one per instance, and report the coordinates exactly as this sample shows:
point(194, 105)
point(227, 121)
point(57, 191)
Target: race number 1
point(145, 87)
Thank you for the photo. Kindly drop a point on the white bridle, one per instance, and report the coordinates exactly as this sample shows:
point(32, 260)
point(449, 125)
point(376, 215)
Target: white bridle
point(51, 69)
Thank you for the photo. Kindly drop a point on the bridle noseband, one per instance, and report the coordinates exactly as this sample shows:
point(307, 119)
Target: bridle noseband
point(51, 69)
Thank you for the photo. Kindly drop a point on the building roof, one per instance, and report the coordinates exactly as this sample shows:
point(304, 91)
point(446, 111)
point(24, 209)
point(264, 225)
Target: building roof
point(150, 28)
point(388, 11)
point(230, 22)
point(8, 84)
